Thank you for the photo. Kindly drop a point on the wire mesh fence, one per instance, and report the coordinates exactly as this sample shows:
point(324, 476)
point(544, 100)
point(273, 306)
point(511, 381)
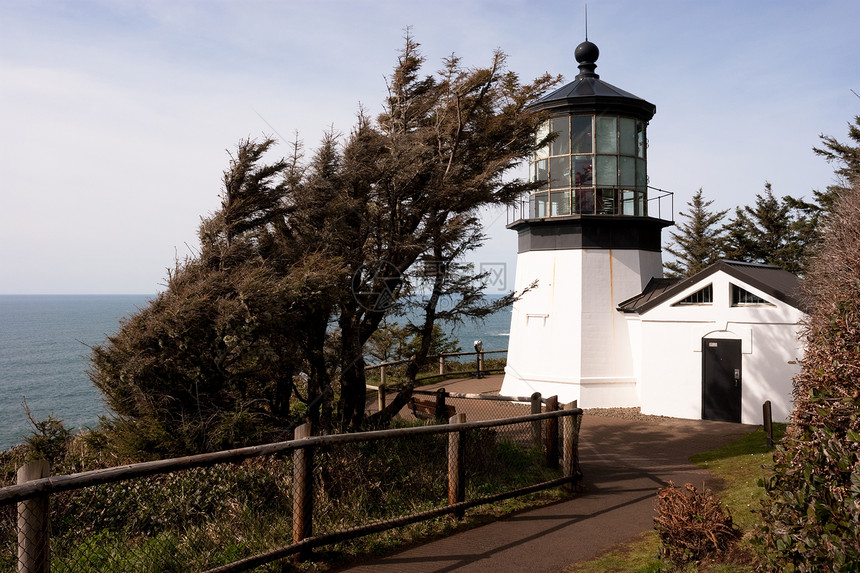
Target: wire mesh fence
point(247, 509)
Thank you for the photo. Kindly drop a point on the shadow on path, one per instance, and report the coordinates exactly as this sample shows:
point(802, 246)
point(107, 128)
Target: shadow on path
point(624, 462)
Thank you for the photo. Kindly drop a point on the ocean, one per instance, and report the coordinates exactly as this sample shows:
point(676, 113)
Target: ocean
point(44, 355)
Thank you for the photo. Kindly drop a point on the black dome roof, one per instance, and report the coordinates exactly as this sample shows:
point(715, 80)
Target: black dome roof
point(589, 94)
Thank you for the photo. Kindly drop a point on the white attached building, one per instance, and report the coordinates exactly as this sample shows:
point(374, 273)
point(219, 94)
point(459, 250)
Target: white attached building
point(719, 344)
point(602, 326)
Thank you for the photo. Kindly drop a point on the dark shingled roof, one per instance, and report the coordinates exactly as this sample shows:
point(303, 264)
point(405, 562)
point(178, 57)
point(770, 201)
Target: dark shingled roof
point(774, 281)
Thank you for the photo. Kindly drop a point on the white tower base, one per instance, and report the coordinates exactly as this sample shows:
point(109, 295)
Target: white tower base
point(567, 338)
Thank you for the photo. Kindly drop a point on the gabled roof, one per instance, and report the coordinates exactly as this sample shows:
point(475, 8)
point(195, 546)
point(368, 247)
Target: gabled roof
point(774, 281)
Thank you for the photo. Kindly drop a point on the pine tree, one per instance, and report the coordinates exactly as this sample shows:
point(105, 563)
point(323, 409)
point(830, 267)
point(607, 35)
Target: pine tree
point(812, 217)
point(699, 241)
point(847, 158)
point(767, 233)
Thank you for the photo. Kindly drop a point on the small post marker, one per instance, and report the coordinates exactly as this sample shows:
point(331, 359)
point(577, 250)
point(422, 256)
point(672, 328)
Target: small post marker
point(767, 422)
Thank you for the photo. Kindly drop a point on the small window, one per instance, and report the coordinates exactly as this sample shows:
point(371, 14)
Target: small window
point(703, 296)
point(743, 297)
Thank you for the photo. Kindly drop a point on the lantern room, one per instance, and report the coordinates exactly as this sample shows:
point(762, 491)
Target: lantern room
point(597, 162)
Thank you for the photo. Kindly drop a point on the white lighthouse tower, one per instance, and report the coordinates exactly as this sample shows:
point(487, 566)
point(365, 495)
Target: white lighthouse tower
point(591, 238)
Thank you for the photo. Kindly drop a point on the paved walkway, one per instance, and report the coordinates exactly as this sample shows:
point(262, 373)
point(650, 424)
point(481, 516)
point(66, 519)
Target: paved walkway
point(623, 463)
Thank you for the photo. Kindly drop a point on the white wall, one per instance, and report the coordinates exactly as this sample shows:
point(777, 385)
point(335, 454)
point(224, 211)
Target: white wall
point(545, 323)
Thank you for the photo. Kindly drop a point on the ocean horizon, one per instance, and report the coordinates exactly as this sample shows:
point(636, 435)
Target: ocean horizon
point(45, 343)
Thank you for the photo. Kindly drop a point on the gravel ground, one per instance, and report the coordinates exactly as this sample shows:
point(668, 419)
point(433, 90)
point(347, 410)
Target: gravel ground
point(626, 414)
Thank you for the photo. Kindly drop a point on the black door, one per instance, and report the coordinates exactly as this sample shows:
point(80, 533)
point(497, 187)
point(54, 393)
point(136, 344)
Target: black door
point(721, 380)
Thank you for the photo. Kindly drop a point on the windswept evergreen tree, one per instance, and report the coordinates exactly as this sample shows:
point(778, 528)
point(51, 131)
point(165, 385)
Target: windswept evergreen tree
point(304, 260)
point(211, 362)
point(699, 241)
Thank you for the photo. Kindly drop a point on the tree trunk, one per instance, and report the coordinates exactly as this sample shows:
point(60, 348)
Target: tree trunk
point(353, 389)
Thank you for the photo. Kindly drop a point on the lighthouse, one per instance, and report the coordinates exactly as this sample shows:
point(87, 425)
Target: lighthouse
point(589, 238)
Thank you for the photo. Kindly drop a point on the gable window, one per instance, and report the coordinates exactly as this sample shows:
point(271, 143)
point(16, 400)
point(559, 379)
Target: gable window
point(743, 297)
point(702, 296)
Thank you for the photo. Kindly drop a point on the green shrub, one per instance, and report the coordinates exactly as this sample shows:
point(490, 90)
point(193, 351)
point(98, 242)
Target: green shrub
point(811, 515)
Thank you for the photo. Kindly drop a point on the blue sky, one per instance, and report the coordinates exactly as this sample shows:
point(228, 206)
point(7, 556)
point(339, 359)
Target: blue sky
point(116, 117)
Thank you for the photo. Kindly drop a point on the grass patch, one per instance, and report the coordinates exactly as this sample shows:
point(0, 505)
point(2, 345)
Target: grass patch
point(738, 467)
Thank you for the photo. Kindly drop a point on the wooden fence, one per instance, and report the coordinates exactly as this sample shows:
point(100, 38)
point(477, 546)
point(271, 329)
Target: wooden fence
point(32, 494)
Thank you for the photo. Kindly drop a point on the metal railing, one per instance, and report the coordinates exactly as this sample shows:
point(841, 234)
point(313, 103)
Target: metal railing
point(240, 509)
point(385, 386)
point(657, 206)
point(384, 367)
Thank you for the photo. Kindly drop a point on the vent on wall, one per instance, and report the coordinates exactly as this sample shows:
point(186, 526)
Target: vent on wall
point(743, 297)
point(702, 296)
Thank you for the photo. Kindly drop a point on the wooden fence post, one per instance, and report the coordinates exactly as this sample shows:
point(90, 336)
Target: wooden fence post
point(552, 433)
point(441, 365)
point(33, 521)
point(536, 407)
point(441, 409)
point(767, 422)
point(380, 396)
point(302, 488)
point(382, 375)
point(568, 444)
point(456, 466)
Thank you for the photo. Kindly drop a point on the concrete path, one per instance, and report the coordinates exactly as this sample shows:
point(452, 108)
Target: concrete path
point(623, 462)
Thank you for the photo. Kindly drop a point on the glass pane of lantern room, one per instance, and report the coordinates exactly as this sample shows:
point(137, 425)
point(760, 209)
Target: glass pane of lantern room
point(559, 202)
point(607, 135)
point(585, 201)
point(541, 204)
point(582, 171)
point(627, 136)
point(606, 170)
point(542, 132)
point(559, 172)
point(581, 133)
point(628, 202)
point(641, 174)
point(561, 144)
point(640, 139)
point(606, 202)
point(627, 173)
point(541, 171)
